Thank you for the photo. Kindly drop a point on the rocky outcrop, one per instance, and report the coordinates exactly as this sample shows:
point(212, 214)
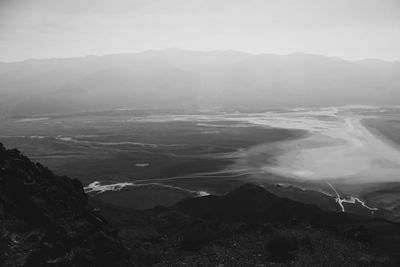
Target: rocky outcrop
point(45, 219)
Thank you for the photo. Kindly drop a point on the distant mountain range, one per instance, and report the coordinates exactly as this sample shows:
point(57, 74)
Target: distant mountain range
point(182, 79)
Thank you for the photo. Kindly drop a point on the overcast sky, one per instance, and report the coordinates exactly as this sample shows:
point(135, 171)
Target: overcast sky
point(351, 29)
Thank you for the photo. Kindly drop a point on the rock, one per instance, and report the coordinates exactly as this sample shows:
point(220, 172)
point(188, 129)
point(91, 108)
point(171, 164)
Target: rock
point(46, 220)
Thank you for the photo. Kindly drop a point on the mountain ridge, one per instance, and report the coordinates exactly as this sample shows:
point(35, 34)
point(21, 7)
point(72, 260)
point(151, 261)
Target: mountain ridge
point(194, 79)
point(197, 51)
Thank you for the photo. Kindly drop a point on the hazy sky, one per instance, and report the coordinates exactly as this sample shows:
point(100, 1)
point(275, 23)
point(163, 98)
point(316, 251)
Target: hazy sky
point(351, 29)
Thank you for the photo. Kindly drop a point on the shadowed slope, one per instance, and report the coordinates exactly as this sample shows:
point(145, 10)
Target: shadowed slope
point(251, 202)
point(45, 220)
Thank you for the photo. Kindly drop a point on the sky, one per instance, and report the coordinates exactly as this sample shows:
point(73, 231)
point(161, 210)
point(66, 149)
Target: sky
point(350, 29)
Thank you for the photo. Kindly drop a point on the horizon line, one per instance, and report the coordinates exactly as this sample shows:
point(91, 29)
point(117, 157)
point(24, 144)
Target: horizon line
point(201, 51)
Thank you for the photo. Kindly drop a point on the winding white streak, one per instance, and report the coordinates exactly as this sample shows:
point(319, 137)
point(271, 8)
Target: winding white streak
point(351, 200)
point(98, 187)
point(338, 200)
point(73, 140)
point(32, 119)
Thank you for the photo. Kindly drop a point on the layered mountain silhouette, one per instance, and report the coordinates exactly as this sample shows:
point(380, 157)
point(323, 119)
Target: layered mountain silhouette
point(183, 79)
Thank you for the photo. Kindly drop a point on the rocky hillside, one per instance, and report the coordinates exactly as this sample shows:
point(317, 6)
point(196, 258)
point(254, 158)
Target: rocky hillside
point(45, 219)
point(253, 227)
point(48, 220)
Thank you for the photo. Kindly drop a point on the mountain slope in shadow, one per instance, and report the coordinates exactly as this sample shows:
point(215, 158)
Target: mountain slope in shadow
point(252, 227)
point(46, 220)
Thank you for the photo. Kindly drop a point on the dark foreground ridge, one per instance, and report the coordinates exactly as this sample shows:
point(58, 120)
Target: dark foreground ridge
point(46, 220)
point(253, 227)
